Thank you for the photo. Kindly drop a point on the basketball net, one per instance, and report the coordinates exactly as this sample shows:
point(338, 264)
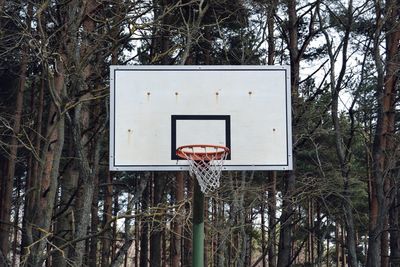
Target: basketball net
point(205, 164)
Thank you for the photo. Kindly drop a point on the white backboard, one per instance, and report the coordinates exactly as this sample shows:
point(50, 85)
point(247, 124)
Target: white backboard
point(155, 109)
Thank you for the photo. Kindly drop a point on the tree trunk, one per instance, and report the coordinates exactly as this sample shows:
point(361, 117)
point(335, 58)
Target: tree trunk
point(38, 229)
point(17, 209)
point(221, 237)
point(271, 191)
point(391, 87)
point(187, 244)
point(272, 220)
point(394, 235)
point(271, 12)
point(65, 216)
point(106, 241)
point(80, 125)
point(94, 221)
point(32, 178)
point(137, 234)
point(94, 205)
point(285, 238)
point(6, 185)
point(144, 235)
point(177, 235)
point(116, 209)
point(337, 244)
point(156, 232)
point(386, 97)
point(263, 232)
point(385, 242)
point(85, 196)
point(309, 248)
point(377, 197)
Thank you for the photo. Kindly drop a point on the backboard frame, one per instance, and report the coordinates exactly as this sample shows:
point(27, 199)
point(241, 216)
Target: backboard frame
point(174, 117)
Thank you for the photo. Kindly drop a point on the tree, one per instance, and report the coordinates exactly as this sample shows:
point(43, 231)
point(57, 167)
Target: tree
point(386, 89)
point(59, 204)
point(343, 152)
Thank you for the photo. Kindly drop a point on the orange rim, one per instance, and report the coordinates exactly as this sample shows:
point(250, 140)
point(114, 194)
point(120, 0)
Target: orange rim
point(187, 152)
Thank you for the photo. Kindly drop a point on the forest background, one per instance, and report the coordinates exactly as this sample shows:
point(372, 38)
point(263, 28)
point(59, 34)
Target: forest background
point(59, 204)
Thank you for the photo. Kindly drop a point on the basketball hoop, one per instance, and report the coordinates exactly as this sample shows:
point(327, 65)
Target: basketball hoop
point(205, 163)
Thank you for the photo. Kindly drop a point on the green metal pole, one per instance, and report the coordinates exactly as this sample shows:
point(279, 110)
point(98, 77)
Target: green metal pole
point(198, 226)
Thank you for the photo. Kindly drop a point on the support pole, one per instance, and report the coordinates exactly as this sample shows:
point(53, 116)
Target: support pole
point(198, 226)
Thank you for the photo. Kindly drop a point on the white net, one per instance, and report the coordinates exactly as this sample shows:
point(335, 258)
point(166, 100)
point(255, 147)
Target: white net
point(206, 167)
